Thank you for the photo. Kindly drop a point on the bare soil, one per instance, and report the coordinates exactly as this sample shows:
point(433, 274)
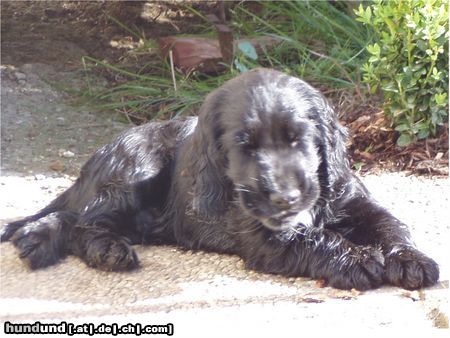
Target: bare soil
point(59, 33)
point(44, 125)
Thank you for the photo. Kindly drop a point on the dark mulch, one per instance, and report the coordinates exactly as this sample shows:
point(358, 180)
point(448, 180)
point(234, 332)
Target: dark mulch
point(373, 147)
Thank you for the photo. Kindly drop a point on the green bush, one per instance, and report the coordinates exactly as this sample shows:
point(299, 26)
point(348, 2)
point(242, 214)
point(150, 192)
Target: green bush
point(409, 63)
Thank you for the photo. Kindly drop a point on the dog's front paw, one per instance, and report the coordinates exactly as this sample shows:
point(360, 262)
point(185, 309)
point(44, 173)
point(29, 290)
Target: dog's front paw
point(111, 253)
point(409, 268)
point(361, 268)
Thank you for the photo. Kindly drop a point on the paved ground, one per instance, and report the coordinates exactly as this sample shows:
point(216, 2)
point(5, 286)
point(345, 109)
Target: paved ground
point(201, 291)
point(202, 294)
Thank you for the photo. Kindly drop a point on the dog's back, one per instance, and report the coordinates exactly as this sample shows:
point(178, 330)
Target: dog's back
point(130, 174)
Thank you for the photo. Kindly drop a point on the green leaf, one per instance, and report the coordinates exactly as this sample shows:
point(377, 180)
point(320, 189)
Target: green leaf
point(363, 16)
point(402, 127)
point(404, 140)
point(368, 13)
point(440, 99)
point(358, 165)
point(374, 49)
point(421, 126)
point(248, 50)
point(242, 68)
point(436, 118)
point(423, 133)
point(390, 87)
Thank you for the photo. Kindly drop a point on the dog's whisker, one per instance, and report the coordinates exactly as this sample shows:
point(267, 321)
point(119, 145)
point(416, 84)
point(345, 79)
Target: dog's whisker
point(244, 190)
point(247, 231)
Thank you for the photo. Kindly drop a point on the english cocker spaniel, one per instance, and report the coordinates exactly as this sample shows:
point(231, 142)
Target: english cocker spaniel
point(261, 173)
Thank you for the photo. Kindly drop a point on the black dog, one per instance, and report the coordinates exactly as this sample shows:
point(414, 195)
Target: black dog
point(262, 173)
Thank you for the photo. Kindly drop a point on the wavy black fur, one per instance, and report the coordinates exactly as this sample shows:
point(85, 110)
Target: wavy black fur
point(262, 173)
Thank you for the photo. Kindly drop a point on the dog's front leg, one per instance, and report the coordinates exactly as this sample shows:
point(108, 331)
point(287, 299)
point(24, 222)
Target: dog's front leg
point(367, 223)
point(316, 253)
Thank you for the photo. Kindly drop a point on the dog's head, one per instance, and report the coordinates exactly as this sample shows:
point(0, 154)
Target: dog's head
point(265, 130)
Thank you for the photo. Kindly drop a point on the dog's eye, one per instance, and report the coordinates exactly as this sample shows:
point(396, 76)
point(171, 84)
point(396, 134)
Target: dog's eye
point(293, 139)
point(247, 142)
point(241, 139)
point(250, 148)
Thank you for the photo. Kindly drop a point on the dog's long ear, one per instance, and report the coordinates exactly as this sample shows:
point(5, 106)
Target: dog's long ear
point(330, 141)
point(212, 188)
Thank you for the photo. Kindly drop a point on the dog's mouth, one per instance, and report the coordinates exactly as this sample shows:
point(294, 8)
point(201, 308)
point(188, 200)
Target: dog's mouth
point(288, 221)
point(271, 216)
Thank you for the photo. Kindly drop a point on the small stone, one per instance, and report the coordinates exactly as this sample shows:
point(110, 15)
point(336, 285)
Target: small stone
point(20, 76)
point(60, 121)
point(28, 67)
point(65, 153)
point(414, 295)
point(57, 166)
point(321, 283)
point(51, 13)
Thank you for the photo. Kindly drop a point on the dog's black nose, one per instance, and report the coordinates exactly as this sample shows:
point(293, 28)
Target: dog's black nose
point(284, 200)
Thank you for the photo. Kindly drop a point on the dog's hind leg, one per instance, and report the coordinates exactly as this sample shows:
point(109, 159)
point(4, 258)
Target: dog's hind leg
point(58, 204)
point(101, 236)
point(8, 230)
point(42, 242)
